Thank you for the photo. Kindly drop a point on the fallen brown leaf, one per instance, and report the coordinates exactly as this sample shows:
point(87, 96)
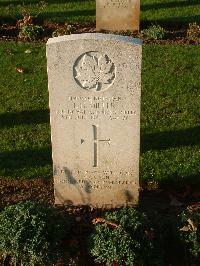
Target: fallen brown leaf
point(194, 207)
point(19, 69)
point(190, 227)
point(101, 220)
point(185, 229)
point(194, 228)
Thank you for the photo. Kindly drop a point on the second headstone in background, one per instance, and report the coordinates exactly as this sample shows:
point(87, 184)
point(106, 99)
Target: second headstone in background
point(118, 15)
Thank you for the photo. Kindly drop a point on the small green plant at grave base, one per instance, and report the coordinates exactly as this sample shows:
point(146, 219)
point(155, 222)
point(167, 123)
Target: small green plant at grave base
point(66, 30)
point(189, 231)
point(31, 32)
point(28, 30)
point(123, 237)
point(32, 234)
point(153, 32)
point(193, 32)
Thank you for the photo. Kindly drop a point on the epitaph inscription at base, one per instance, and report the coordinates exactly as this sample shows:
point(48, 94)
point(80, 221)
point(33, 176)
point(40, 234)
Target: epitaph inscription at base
point(94, 89)
point(118, 15)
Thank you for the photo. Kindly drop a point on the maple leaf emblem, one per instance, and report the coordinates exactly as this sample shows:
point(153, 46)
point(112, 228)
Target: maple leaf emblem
point(94, 71)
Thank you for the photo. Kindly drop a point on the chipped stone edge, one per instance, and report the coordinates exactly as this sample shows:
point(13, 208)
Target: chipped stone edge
point(95, 36)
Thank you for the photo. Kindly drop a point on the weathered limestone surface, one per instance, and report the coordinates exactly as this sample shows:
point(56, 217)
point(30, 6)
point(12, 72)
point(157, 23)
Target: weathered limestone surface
point(118, 15)
point(94, 88)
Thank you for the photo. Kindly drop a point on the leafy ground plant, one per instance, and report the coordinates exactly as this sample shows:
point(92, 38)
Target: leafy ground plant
point(32, 234)
point(31, 32)
point(190, 233)
point(193, 32)
point(66, 30)
point(28, 30)
point(123, 237)
point(154, 32)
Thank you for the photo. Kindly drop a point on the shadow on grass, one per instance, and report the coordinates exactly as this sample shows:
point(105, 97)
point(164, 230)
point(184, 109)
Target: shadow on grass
point(10, 161)
point(16, 3)
point(24, 160)
point(73, 15)
point(24, 117)
point(180, 4)
point(53, 16)
point(35, 2)
point(175, 22)
point(170, 139)
point(175, 181)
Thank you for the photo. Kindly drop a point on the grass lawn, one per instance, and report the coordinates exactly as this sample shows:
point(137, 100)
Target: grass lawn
point(164, 12)
point(170, 113)
point(170, 12)
point(55, 10)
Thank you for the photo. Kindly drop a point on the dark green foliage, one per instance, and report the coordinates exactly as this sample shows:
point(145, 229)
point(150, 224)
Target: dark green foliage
point(31, 32)
point(154, 32)
point(189, 231)
point(32, 234)
point(166, 242)
point(130, 242)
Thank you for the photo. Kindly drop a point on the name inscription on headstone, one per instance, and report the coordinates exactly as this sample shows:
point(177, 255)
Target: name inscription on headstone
point(116, 3)
point(94, 87)
point(94, 108)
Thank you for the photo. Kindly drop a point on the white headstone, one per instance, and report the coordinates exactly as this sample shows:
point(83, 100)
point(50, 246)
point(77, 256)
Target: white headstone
point(118, 15)
point(94, 88)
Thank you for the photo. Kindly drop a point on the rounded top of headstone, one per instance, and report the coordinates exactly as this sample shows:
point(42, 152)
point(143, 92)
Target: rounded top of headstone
point(95, 36)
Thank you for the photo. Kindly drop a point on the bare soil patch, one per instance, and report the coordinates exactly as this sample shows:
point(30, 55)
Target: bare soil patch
point(173, 36)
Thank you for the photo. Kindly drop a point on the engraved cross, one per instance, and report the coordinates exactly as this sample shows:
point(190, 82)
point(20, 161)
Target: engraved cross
point(96, 144)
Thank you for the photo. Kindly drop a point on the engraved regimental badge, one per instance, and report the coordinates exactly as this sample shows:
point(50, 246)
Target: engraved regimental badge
point(94, 71)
